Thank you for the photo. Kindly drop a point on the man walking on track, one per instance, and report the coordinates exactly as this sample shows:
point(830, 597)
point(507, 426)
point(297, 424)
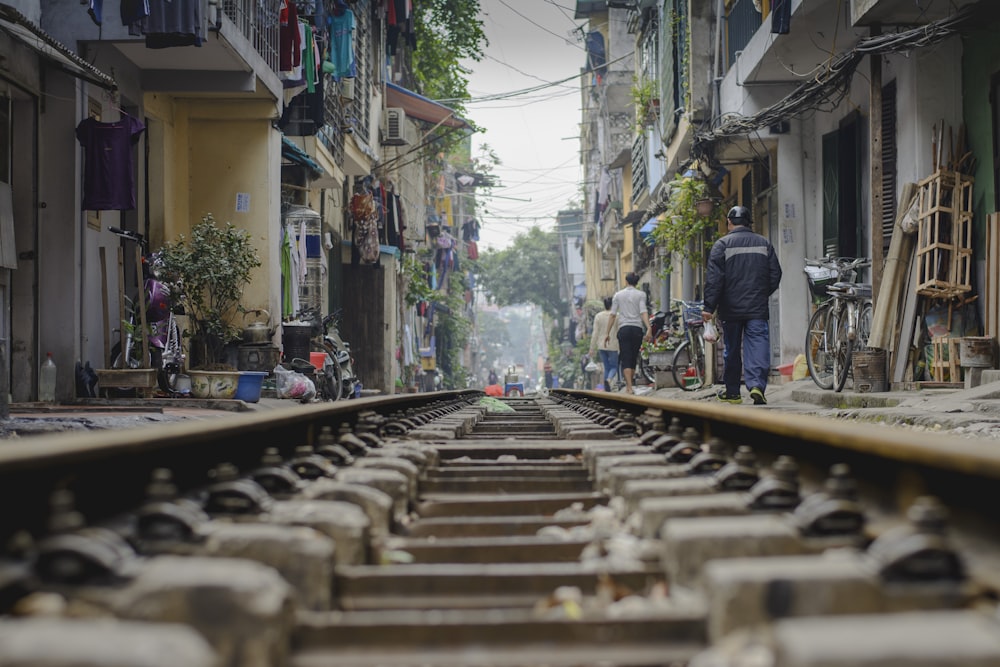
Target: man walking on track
point(743, 272)
point(628, 309)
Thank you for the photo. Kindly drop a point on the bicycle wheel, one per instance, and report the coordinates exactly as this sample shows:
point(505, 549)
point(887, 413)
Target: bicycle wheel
point(646, 369)
point(169, 361)
point(819, 357)
point(865, 315)
point(688, 367)
point(135, 357)
point(844, 346)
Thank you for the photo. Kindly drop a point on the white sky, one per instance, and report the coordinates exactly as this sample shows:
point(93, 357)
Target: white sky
point(531, 42)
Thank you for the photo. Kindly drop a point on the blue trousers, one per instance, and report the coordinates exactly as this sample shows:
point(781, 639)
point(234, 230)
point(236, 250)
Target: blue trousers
point(748, 351)
point(609, 358)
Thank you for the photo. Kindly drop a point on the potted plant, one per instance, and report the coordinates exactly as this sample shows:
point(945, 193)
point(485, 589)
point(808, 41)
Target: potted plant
point(687, 227)
point(207, 273)
point(646, 99)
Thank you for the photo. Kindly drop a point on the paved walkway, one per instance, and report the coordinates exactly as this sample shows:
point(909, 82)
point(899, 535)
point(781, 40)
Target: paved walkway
point(974, 412)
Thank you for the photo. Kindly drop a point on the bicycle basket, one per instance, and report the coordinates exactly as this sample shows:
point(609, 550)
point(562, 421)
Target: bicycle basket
point(692, 315)
point(820, 277)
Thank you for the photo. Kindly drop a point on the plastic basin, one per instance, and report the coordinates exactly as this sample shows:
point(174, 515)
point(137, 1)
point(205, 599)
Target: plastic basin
point(249, 385)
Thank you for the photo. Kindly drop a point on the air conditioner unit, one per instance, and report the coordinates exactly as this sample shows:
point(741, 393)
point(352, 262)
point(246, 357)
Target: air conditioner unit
point(395, 127)
point(347, 88)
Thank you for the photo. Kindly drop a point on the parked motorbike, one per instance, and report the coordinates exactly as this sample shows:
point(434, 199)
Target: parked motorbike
point(338, 366)
point(336, 379)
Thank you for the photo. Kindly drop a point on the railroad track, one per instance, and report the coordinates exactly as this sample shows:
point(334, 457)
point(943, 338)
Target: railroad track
point(575, 529)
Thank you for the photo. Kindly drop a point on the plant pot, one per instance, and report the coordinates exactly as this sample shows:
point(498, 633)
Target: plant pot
point(214, 384)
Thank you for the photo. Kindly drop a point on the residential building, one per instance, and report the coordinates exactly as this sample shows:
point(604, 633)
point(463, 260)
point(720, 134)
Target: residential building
point(814, 114)
point(224, 124)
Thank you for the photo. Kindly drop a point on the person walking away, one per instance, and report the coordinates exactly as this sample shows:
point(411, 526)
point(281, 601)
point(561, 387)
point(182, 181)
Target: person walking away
point(743, 272)
point(605, 343)
point(630, 313)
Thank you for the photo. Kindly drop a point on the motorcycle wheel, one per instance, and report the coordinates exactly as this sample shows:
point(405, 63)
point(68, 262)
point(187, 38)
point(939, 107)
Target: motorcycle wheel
point(333, 379)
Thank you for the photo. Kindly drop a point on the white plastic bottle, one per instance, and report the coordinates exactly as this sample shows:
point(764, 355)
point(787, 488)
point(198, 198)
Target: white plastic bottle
point(47, 380)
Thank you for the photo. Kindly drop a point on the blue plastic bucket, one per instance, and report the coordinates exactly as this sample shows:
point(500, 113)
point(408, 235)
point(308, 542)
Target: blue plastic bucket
point(248, 387)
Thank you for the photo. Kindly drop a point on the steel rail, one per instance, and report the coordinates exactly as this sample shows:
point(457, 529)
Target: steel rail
point(108, 471)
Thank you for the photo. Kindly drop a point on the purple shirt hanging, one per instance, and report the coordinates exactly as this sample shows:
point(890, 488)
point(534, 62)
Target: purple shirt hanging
point(108, 180)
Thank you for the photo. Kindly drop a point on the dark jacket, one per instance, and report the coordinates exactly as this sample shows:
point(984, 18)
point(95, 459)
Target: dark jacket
point(743, 271)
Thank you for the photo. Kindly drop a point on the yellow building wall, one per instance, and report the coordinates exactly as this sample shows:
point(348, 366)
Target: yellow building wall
point(215, 153)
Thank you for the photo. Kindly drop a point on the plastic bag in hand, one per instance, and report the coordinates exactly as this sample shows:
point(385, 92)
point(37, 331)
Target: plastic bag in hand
point(710, 334)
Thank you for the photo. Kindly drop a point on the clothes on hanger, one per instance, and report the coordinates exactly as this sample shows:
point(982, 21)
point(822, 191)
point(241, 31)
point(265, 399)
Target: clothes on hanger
point(108, 171)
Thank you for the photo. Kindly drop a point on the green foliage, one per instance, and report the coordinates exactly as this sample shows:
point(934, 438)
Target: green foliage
point(418, 286)
point(645, 95)
point(526, 272)
point(684, 232)
point(452, 333)
point(449, 32)
point(207, 274)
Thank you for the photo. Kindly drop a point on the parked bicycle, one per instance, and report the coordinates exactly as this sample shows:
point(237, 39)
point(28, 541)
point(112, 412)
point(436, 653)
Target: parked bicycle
point(688, 366)
point(842, 321)
point(664, 325)
point(163, 336)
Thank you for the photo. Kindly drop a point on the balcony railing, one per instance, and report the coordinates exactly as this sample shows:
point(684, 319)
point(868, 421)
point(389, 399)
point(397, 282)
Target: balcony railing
point(742, 24)
point(332, 134)
point(257, 20)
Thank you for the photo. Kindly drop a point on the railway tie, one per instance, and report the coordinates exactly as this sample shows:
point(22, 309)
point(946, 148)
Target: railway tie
point(442, 530)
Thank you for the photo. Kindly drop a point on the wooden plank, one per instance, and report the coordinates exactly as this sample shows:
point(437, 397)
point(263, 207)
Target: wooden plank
point(897, 261)
point(907, 327)
point(105, 310)
point(140, 303)
point(121, 302)
point(992, 278)
point(875, 136)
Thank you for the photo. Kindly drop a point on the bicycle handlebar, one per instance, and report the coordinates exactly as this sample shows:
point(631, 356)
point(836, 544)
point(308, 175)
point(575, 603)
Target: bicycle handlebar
point(131, 236)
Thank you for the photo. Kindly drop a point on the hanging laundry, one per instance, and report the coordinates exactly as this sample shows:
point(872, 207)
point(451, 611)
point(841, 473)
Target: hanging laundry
point(108, 181)
point(470, 230)
point(364, 221)
point(342, 43)
point(133, 14)
point(289, 274)
point(596, 55)
point(173, 23)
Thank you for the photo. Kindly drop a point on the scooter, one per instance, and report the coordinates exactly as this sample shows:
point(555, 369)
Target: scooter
point(338, 366)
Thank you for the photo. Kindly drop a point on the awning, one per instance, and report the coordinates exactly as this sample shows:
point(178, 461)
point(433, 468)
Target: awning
point(647, 229)
point(634, 217)
point(46, 46)
point(422, 108)
point(290, 151)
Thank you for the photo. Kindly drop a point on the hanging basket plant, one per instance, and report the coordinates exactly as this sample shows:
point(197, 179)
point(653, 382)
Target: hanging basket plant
point(687, 227)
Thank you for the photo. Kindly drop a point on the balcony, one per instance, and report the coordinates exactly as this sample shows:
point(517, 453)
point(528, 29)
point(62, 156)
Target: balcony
point(238, 52)
point(758, 57)
point(906, 12)
point(612, 234)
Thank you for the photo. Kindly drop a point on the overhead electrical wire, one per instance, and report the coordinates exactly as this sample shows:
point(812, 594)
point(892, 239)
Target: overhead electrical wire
point(830, 86)
point(525, 91)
